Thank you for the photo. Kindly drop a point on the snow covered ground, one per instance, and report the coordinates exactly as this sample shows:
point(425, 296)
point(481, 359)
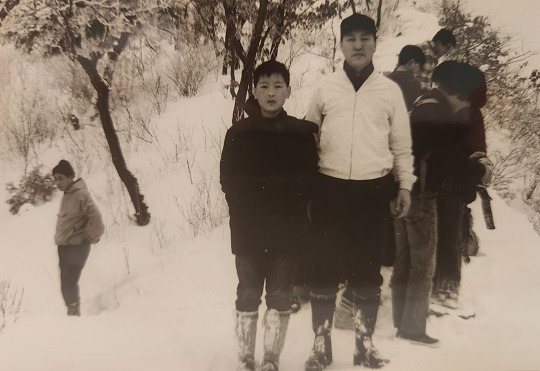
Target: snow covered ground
point(177, 313)
point(156, 298)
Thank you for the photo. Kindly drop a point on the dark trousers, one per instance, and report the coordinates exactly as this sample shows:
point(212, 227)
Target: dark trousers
point(350, 219)
point(72, 260)
point(450, 229)
point(253, 270)
point(414, 265)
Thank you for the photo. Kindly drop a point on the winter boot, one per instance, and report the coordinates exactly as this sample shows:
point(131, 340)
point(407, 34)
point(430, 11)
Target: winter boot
point(246, 333)
point(322, 308)
point(365, 316)
point(74, 309)
point(275, 330)
point(343, 316)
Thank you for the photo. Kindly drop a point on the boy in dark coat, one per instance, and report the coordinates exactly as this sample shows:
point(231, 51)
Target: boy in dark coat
point(268, 164)
point(440, 126)
point(411, 60)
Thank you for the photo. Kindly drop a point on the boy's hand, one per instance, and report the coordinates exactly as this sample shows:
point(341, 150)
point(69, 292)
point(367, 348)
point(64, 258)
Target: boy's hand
point(399, 207)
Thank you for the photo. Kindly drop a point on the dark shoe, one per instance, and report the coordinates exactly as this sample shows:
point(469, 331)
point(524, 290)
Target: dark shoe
point(365, 354)
point(422, 339)
point(74, 309)
point(321, 353)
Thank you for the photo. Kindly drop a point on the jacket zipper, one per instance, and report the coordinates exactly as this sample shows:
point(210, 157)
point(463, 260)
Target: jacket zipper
point(352, 135)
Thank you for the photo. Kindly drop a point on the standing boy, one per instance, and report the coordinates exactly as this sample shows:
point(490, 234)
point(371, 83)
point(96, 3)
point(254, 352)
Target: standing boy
point(410, 61)
point(440, 126)
point(79, 224)
point(364, 139)
point(268, 164)
point(441, 44)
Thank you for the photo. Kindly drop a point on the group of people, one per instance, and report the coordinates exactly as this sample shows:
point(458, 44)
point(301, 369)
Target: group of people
point(372, 147)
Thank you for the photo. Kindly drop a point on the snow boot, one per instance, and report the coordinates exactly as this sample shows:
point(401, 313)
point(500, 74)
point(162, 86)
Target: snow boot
point(343, 316)
point(275, 330)
point(74, 309)
point(322, 308)
point(246, 333)
point(365, 316)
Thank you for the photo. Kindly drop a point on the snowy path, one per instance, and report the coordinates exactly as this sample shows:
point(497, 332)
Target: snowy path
point(178, 314)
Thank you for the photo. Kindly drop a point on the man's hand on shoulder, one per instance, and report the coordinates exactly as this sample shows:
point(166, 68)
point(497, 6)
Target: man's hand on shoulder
point(399, 207)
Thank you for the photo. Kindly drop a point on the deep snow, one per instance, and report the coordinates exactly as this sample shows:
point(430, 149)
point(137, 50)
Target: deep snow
point(157, 298)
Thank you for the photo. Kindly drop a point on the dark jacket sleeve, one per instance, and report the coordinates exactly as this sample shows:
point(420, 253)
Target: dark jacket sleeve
point(226, 165)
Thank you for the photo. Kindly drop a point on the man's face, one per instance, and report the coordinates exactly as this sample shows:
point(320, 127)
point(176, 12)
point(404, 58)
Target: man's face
point(271, 93)
point(63, 182)
point(358, 48)
point(440, 49)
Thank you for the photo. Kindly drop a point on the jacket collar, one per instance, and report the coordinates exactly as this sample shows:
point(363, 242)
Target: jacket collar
point(358, 78)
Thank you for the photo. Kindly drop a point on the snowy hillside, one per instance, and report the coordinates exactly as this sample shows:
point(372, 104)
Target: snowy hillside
point(161, 297)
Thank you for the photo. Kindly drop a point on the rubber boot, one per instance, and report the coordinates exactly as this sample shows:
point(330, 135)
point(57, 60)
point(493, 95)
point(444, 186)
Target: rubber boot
point(365, 317)
point(74, 309)
point(322, 308)
point(246, 333)
point(275, 330)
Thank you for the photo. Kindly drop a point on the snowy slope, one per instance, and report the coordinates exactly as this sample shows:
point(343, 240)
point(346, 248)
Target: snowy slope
point(157, 298)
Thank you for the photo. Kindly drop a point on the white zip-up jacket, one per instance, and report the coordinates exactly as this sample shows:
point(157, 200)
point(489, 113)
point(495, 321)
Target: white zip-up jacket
point(363, 134)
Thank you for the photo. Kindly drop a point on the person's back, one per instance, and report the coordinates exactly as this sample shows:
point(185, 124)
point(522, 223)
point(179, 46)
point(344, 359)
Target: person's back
point(411, 59)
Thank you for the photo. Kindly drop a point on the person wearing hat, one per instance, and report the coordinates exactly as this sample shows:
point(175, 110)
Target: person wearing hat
point(364, 144)
point(79, 224)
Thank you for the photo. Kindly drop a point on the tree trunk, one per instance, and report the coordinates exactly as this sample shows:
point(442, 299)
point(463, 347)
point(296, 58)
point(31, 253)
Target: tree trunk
point(8, 6)
point(249, 65)
point(379, 15)
point(130, 181)
point(280, 27)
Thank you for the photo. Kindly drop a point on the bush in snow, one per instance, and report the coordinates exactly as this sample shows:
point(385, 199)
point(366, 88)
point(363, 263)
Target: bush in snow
point(11, 299)
point(33, 188)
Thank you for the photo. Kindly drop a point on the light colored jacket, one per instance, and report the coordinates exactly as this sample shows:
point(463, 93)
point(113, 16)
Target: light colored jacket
point(79, 218)
point(365, 134)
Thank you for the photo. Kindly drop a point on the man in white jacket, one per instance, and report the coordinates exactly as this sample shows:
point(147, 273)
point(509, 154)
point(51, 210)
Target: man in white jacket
point(364, 151)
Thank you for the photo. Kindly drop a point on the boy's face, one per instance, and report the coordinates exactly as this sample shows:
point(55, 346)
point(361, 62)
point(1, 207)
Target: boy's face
point(271, 93)
point(63, 182)
point(440, 49)
point(413, 66)
point(358, 48)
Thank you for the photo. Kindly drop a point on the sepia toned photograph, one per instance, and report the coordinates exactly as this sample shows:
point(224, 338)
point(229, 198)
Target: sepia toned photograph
point(294, 185)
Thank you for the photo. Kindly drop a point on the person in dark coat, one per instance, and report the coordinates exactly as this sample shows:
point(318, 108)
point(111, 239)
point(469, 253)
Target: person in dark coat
point(268, 165)
point(441, 125)
point(411, 60)
point(454, 223)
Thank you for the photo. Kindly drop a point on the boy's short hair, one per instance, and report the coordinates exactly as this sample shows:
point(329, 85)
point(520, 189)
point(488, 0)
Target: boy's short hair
point(356, 22)
point(478, 97)
point(445, 37)
point(269, 68)
point(64, 168)
point(463, 80)
point(411, 52)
